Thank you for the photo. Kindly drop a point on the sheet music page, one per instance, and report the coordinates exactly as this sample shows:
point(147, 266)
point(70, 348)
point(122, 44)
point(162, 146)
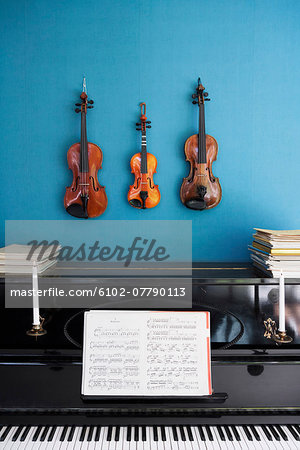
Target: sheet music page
point(146, 353)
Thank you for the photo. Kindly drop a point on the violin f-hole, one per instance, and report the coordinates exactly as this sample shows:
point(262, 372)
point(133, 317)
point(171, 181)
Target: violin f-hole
point(74, 189)
point(96, 189)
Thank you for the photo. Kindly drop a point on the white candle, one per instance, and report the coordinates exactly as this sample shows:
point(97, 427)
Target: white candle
point(281, 303)
point(35, 297)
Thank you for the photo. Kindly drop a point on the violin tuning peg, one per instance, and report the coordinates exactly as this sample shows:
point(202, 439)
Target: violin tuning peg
point(77, 110)
point(194, 102)
point(148, 121)
point(90, 107)
point(148, 126)
point(91, 102)
point(205, 94)
point(207, 99)
point(138, 129)
point(194, 95)
point(138, 124)
point(77, 104)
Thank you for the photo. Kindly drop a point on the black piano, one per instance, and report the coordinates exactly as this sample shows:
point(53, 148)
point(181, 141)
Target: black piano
point(256, 382)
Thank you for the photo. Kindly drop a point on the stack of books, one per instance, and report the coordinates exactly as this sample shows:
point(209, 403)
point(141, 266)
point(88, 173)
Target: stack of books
point(17, 259)
point(273, 251)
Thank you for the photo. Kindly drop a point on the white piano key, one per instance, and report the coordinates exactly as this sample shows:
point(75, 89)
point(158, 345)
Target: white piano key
point(112, 442)
point(8, 440)
point(160, 444)
point(217, 440)
point(121, 441)
point(140, 443)
point(264, 442)
point(23, 444)
point(229, 443)
point(168, 444)
point(146, 443)
point(153, 443)
point(210, 445)
point(293, 443)
point(126, 444)
point(238, 444)
point(198, 441)
point(51, 444)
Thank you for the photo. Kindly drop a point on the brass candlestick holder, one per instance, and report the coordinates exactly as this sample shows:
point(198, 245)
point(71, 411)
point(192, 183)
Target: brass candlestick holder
point(271, 332)
point(37, 330)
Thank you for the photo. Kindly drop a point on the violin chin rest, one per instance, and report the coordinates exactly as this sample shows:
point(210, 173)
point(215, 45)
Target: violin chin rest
point(77, 210)
point(196, 203)
point(135, 202)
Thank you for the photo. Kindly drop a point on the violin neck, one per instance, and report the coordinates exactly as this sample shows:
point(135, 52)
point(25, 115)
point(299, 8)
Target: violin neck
point(202, 136)
point(84, 160)
point(144, 152)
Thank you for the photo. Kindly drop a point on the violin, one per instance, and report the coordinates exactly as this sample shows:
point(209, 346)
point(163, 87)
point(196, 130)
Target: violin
point(85, 197)
point(201, 189)
point(143, 193)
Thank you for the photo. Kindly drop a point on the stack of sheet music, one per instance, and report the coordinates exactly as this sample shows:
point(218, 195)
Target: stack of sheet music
point(273, 251)
point(20, 259)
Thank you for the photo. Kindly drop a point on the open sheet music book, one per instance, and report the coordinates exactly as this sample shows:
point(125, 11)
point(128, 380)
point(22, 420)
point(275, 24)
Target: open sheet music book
point(146, 353)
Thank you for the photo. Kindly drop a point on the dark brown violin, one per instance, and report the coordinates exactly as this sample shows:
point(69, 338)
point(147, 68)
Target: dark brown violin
point(143, 193)
point(85, 197)
point(201, 190)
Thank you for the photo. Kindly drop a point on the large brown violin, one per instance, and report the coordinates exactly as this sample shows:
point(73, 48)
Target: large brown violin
point(85, 197)
point(143, 193)
point(201, 190)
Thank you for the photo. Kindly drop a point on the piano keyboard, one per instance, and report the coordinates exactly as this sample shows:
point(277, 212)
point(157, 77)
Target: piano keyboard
point(184, 437)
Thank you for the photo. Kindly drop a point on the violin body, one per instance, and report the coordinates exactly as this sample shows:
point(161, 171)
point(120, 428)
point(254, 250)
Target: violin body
point(143, 194)
point(200, 175)
point(85, 197)
point(201, 189)
point(97, 199)
point(143, 182)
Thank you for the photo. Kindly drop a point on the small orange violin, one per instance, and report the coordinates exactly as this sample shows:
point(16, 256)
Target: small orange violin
point(143, 193)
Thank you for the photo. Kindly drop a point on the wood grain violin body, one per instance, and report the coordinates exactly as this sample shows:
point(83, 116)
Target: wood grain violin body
point(201, 189)
point(201, 176)
point(143, 194)
point(97, 201)
point(143, 182)
point(85, 197)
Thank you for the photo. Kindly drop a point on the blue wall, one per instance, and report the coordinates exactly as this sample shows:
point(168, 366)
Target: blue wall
point(247, 53)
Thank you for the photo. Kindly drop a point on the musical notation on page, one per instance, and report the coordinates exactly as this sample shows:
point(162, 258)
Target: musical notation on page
point(146, 353)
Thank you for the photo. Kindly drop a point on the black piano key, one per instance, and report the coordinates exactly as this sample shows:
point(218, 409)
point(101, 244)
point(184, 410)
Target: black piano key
point(182, 433)
point(163, 433)
point(202, 435)
point(228, 432)
point(82, 434)
point(44, 433)
point(109, 433)
point(51, 434)
point(63, 433)
point(5, 433)
point(221, 434)
point(155, 433)
point(267, 433)
point(37, 433)
point(17, 433)
point(274, 432)
point(209, 433)
point(25, 433)
point(297, 428)
point(136, 434)
point(117, 433)
point(254, 432)
point(71, 433)
point(281, 432)
point(189, 432)
point(128, 435)
point(293, 432)
point(175, 435)
point(144, 434)
point(97, 434)
point(236, 433)
point(247, 432)
point(90, 434)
